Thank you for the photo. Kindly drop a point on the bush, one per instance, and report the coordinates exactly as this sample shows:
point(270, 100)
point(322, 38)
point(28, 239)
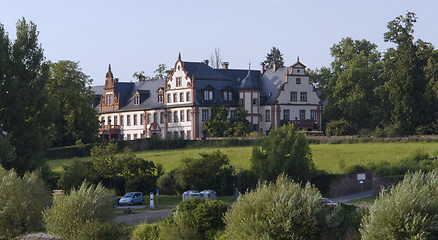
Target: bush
point(195, 218)
point(84, 208)
point(340, 127)
point(95, 230)
point(283, 210)
point(22, 202)
point(75, 174)
point(408, 211)
point(343, 222)
point(146, 231)
point(166, 183)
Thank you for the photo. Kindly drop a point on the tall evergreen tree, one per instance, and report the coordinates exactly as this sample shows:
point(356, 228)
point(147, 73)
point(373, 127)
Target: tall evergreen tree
point(275, 56)
point(25, 109)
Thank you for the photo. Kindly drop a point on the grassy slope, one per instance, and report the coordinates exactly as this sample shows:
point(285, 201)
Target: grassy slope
point(329, 157)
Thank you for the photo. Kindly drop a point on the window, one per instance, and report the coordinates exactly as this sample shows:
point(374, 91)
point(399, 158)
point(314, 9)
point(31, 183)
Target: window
point(109, 120)
point(181, 97)
point(115, 121)
point(298, 80)
point(122, 120)
point(109, 99)
point(175, 116)
point(102, 120)
point(293, 96)
point(135, 135)
point(208, 95)
point(313, 114)
point(188, 97)
point(189, 134)
point(286, 114)
point(169, 117)
point(135, 119)
point(175, 135)
point(160, 97)
point(148, 118)
point(302, 114)
point(128, 120)
point(188, 116)
point(233, 114)
point(181, 134)
point(254, 101)
point(181, 117)
point(168, 98)
point(128, 136)
point(178, 82)
point(267, 115)
point(155, 117)
point(241, 101)
point(141, 119)
point(303, 96)
point(175, 97)
point(227, 95)
point(204, 114)
point(136, 100)
point(162, 117)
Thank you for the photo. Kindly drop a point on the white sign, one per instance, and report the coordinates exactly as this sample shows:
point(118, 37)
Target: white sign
point(361, 176)
point(361, 182)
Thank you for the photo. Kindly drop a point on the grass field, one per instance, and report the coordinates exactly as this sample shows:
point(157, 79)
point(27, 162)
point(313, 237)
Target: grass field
point(334, 158)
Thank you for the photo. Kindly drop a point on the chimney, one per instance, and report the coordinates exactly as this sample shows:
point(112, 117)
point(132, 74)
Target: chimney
point(206, 61)
point(262, 67)
point(225, 65)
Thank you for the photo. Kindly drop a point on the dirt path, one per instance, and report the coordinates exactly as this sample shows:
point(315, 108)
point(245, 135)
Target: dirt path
point(139, 217)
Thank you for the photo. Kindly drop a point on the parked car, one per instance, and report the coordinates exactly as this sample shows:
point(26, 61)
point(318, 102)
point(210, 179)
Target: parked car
point(329, 202)
point(132, 198)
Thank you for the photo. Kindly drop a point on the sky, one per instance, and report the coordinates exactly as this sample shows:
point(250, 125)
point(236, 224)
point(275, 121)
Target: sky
point(134, 35)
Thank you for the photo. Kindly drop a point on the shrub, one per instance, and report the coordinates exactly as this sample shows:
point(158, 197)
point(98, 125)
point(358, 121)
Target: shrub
point(95, 230)
point(166, 183)
point(146, 231)
point(280, 210)
point(75, 173)
point(22, 202)
point(343, 222)
point(408, 211)
point(282, 151)
point(340, 127)
point(195, 218)
point(86, 207)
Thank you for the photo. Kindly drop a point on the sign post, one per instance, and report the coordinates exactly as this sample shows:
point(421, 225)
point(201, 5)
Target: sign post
point(151, 200)
point(361, 177)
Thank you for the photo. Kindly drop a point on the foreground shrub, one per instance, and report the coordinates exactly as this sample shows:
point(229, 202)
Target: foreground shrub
point(408, 211)
point(146, 231)
point(85, 208)
point(283, 210)
point(343, 222)
point(195, 218)
point(22, 202)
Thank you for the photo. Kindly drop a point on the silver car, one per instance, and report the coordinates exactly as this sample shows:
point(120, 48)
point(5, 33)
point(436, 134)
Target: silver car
point(132, 198)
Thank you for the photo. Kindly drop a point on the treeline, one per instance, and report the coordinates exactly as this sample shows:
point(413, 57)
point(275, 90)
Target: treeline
point(382, 94)
point(42, 104)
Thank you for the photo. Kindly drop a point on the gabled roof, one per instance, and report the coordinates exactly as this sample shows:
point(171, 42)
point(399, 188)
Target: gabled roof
point(202, 71)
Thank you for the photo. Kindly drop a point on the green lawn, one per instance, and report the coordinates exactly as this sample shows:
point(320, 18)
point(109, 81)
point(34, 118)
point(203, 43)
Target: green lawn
point(334, 158)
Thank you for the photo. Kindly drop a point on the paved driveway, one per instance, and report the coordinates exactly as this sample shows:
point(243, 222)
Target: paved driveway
point(142, 216)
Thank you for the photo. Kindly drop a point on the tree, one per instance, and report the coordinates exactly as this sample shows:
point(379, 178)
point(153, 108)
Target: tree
point(408, 211)
point(350, 90)
point(26, 113)
point(283, 151)
point(76, 118)
point(274, 57)
point(160, 73)
point(219, 125)
point(75, 174)
point(407, 69)
point(23, 200)
point(216, 59)
point(211, 171)
point(321, 79)
point(280, 210)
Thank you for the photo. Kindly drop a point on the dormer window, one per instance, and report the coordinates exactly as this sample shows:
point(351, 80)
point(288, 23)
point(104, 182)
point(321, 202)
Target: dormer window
point(208, 95)
point(137, 99)
point(160, 95)
point(227, 95)
point(109, 99)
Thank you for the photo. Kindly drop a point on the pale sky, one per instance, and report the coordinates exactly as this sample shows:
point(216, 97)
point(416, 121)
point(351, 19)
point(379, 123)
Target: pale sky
point(138, 35)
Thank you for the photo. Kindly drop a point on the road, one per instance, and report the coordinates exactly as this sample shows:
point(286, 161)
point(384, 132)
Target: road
point(141, 216)
point(353, 196)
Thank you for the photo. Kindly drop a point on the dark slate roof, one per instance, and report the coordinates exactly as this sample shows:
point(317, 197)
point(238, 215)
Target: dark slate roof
point(250, 81)
point(270, 84)
point(202, 71)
